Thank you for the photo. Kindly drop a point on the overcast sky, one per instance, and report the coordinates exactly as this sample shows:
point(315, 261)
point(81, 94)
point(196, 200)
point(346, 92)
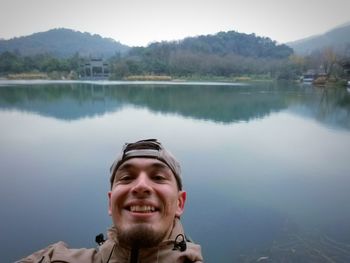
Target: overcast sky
point(140, 22)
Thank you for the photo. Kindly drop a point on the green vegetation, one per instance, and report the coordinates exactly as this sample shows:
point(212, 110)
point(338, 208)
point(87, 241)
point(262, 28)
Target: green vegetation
point(226, 54)
point(12, 64)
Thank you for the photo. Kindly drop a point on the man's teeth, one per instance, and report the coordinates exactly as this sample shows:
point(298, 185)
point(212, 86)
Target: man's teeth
point(142, 208)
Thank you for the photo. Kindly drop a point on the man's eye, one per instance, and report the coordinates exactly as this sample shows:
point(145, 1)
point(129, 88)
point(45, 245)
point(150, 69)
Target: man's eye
point(158, 177)
point(125, 178)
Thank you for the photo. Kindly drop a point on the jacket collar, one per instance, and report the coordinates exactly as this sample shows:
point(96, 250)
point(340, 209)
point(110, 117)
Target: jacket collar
point(177, 229)
point(122, 254)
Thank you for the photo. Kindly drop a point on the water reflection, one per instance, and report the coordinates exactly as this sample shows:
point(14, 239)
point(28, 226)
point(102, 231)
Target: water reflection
point(223, 104)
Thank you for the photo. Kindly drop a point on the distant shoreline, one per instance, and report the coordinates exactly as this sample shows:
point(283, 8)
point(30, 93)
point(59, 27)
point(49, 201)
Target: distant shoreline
point(118, 82)
point(132, 78)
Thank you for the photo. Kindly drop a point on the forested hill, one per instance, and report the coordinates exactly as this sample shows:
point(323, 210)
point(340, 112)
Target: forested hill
point(63, 43)
point(66, 42)
point(222, 43)
point(223, 54)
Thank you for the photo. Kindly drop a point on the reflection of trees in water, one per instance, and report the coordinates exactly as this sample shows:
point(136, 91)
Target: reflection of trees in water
point(329, 100)
point(68, 101)
point(330, 106)
point(225, 104)
point(333, 107)
point(220, 104)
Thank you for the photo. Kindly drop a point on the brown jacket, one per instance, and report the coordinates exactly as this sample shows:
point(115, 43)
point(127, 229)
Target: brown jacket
point(112, 252)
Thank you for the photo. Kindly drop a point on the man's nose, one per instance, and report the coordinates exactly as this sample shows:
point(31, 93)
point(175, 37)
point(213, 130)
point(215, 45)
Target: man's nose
point(142, 185)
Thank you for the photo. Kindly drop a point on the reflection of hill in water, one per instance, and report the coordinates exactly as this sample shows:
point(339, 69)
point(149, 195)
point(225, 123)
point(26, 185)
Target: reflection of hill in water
point(74, 101)
point(68, 102)
point(223, 104)
point(219, 104)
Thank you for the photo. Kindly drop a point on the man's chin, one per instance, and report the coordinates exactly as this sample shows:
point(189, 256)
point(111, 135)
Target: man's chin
point(140, 235)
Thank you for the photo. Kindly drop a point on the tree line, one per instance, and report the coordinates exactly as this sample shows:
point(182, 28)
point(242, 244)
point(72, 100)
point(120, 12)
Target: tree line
point(226, 54)
point(13, 62)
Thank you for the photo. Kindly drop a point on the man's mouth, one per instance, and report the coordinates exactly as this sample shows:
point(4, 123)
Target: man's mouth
point(142, 209)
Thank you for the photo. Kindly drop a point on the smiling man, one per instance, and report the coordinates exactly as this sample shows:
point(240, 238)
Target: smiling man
point(146, 202)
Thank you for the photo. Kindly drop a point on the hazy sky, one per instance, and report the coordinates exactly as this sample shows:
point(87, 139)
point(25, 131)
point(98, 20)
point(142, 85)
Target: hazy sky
point(140, 22)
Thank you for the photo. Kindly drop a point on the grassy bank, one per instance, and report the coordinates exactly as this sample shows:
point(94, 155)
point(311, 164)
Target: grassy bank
point(29, 75)
point(54, 75)
point(148, 78)
point(243, 78)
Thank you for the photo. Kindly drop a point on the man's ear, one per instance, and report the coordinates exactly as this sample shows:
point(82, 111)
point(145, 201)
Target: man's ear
point(180, 203)
point(109, 203)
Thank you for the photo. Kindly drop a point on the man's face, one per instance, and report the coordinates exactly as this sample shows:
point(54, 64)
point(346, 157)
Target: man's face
point(144, 201)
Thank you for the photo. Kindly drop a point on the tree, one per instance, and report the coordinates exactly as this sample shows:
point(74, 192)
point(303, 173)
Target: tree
point(10, 63)
point(329, 59)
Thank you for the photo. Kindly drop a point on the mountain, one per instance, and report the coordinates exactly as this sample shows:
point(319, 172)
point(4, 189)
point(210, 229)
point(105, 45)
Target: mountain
point(223, 54)
point(222, 44)
point(338, 38)
point(62, 42)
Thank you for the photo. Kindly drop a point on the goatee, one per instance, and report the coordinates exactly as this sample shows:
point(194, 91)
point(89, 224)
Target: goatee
point(141, 236)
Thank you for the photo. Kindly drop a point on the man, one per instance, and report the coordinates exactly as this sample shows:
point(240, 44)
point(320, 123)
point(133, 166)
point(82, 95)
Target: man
point(146, 202)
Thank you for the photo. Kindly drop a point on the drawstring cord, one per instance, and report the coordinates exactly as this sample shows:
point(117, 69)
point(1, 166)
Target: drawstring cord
point(110, 255)
point(179, 244)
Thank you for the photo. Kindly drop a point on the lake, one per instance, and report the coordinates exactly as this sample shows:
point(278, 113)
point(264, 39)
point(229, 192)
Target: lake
point(266, 166)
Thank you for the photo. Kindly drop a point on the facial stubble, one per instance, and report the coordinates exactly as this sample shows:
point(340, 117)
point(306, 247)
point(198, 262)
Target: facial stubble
point(140, 236)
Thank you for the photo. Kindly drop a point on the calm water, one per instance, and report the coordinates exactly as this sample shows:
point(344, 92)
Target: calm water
point(266, 167)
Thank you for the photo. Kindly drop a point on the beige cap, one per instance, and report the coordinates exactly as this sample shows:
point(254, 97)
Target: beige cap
point(149, 148)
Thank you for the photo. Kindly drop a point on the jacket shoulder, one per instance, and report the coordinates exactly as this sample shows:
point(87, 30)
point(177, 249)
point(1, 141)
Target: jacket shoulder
point(194, 253)
point(60, 252)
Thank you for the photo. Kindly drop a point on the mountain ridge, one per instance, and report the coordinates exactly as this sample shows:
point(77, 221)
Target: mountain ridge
point(63, 42)
point(337, 38)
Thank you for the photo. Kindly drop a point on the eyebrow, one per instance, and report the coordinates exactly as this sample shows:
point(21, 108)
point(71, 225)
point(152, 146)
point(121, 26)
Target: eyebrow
point(125, 167)
point(160, 166)
point(128, 166)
